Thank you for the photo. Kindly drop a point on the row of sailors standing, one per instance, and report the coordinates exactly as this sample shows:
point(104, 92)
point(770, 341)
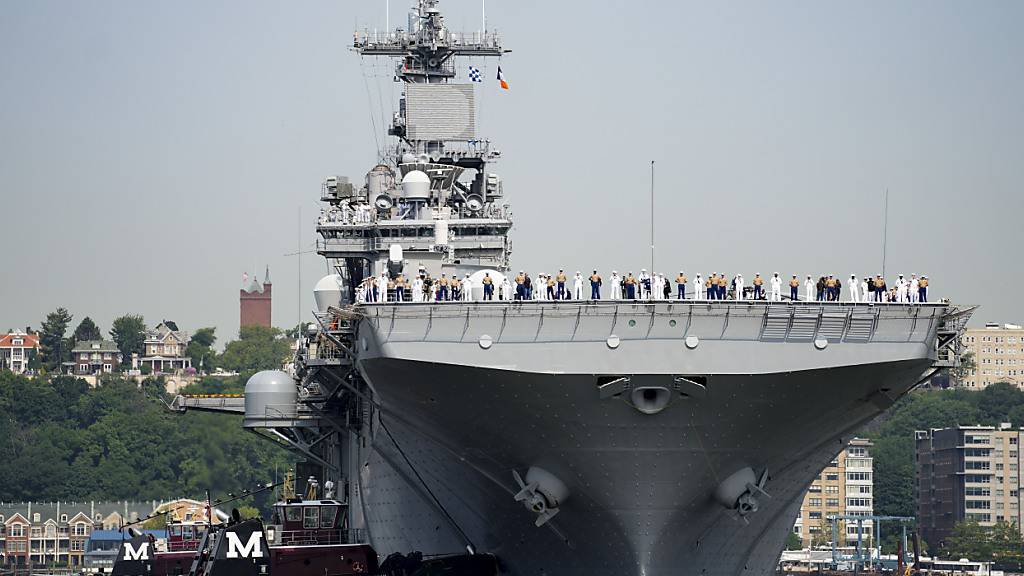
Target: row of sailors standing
point(640, 287)
point(716, 287)
point(423, 288)
point(346, 214)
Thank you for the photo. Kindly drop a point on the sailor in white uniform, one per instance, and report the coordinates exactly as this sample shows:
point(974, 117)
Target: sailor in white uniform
point(657, 286)
point(644, 281)
point(577, 286)
point(506, 289)
point(467, 289)
point(382, 284)
point(616, 286)
point(776, 288)
point(739, 287)
point(854, 292)
point(540, 288)
point(865, 291)
point(698, 286)
point(901, 289)
point(914, 289)
point(417, 289)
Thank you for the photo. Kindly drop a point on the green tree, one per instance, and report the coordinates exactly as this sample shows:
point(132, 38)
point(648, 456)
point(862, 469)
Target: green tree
point(996, 401)
point(967, 365)
point(204, 337)
point(793, 542)
point(257, 348)
point(200, 349)
point(87, 330)
point(969, 540)
point(129, 333)
point(53, 346)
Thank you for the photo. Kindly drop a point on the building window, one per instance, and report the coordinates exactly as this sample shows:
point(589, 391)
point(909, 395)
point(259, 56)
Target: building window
point(36, 517)
point(983, 465)
point(832, 502)
point(37, 531)
point(63, 517)
point(107, 356)
point(814, 488)
point(831, 489)
point(978, 491)
point(814, 515)
point(17, 530)
point(814, 501)
point(857, 476)
point(80, 529)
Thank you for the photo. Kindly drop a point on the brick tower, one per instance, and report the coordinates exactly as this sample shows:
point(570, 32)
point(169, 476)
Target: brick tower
point(254, 302)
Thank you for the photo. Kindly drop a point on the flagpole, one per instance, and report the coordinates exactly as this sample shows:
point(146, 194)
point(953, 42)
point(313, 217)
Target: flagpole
point(885, 230)
point(652, 217)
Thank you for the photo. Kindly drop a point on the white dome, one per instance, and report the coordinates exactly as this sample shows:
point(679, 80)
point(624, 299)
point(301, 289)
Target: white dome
point(327, 292)
point(416, 185)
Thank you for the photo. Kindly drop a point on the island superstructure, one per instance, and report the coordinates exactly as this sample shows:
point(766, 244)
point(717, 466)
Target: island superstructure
point(564, 437)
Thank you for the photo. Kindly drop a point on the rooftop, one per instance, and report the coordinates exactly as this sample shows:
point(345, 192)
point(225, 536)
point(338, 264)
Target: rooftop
point(95, 346)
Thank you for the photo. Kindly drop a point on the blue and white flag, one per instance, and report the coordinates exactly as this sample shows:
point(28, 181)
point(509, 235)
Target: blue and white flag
point(474, 74)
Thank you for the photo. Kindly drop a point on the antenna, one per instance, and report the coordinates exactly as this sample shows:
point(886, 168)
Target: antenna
point(885, 230)
point(298, 258)
point(652, 216)
point(483, 15)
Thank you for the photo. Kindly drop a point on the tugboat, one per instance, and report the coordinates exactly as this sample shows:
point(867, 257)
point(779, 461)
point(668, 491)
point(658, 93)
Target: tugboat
point(306, 536)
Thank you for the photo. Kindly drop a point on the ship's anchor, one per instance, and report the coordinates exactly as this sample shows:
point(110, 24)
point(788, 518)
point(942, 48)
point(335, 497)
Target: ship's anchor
point(541, 493)
point(741, 491)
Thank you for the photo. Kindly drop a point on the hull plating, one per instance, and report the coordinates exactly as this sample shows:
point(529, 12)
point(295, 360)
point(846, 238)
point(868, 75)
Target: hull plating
point(439, 476)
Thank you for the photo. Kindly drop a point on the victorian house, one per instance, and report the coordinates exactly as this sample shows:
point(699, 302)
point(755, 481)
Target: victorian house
point(164, 349)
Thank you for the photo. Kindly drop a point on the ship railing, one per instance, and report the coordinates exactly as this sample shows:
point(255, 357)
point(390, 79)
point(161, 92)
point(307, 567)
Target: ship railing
point(388, 39)
point(319, 537)
point(182, 545)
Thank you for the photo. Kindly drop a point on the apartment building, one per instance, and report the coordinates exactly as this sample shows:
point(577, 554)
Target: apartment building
point(844, 487)
point(998, 355)
point(48, 533)
point(967, 473)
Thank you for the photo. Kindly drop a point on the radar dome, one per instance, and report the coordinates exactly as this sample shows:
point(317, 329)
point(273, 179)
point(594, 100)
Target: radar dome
point(416, 185)
point(270, 400)
point(327, 292)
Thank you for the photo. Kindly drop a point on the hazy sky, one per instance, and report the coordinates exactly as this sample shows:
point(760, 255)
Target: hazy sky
point(150, 152)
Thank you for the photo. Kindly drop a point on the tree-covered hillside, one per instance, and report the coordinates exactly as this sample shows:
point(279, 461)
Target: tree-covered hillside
point(62, 440)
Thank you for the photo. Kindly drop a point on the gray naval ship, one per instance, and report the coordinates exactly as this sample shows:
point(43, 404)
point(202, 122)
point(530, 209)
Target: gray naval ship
point(573, 437)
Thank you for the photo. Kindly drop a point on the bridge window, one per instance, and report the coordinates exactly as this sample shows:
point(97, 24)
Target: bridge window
point(294, 514)
point(327, 516)
point(311, 517)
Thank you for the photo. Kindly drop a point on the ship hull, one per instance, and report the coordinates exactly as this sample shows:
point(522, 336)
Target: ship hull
point(467, 395)
point(440, 475)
